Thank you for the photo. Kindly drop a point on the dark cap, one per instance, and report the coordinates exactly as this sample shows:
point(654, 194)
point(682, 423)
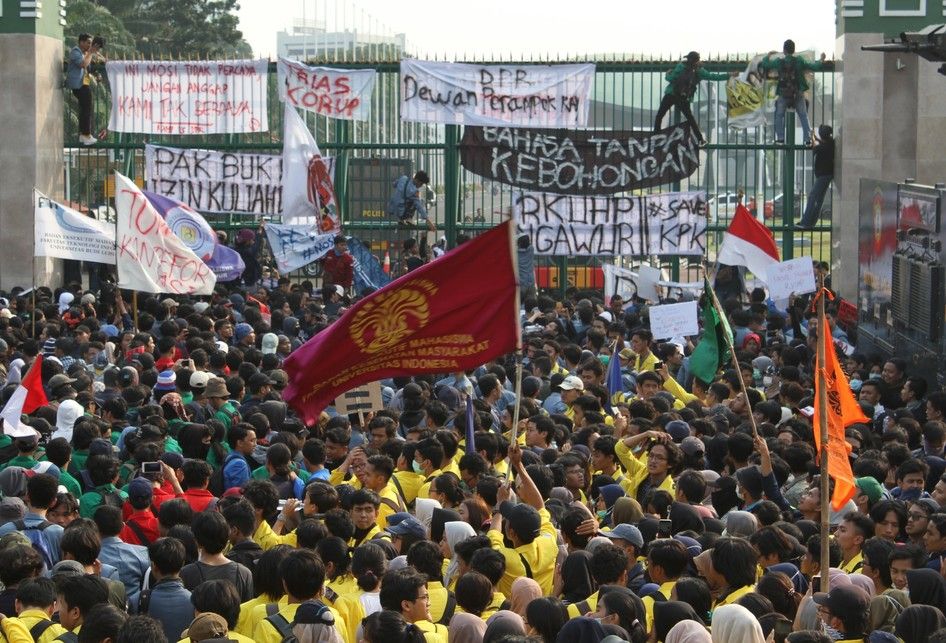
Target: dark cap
point(100, 446)
point(258, 380)
point(678, 430)
point(173, 460)
point(844, 601)
point(522, 519)
point(140, 488)
point(280, 378)
point(750, 479)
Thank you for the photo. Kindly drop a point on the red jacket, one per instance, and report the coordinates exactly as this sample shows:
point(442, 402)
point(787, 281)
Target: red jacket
point(198, 499)
point(147, 524)
point(339, 269)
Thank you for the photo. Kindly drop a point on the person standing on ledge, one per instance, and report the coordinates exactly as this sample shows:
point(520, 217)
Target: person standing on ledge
point(791, 88)
point(79, 81)
point(682, 83)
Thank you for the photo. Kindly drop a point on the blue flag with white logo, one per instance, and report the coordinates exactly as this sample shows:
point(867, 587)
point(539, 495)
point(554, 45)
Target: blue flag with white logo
point(368, 271)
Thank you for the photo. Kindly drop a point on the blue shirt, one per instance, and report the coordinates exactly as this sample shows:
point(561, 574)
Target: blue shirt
point(404, 193)
point(554, 404)
point(75, 72)
point(131, 561)
point(52, 534)
point(170, 605)
point(236, 471)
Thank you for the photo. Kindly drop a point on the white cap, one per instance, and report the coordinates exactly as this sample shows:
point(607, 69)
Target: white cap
point(571, 383)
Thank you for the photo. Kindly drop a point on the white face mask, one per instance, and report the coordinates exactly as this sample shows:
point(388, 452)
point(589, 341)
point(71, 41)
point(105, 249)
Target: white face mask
point(767, 381)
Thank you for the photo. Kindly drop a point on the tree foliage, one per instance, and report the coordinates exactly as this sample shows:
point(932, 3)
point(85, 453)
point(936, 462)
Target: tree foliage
point(184, 29)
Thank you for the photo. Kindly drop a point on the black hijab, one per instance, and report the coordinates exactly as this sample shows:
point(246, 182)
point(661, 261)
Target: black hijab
point(684, 517)
point(581, 630)
point(577, 584)
point(440, 518)
point(917, 622)
point(669, 613)
point(927, 587)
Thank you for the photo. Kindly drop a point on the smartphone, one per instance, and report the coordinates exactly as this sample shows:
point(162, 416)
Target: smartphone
point(663, 529)
point(782, 630)
point(658, 366)
point(816, 584)
point(150, 467)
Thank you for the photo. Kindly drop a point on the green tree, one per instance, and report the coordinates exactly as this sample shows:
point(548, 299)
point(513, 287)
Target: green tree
point(83, 16)
point(182, 28)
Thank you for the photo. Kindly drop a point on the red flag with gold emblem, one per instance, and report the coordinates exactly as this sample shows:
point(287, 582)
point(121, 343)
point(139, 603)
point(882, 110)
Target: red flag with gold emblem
point(843, 411)
point(449, 315)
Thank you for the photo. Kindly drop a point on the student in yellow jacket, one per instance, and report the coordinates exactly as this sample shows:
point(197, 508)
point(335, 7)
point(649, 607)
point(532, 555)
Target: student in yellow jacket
point(404, 591)
point(36, 601)
point(653, 468)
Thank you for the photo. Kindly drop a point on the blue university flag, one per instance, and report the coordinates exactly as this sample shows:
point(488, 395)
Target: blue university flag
point(613, 380)
point(194, 231)
point(295, 246)
point(368, 271)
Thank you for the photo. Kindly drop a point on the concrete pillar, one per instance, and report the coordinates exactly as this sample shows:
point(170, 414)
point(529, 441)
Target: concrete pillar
point(31, 136)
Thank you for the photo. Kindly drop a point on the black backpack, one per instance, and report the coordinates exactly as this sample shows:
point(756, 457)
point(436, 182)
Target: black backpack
point(284, 627)
point(112, 499)
point(40, 628)
point(684, 85)
point(788, 79)
point(216, 478)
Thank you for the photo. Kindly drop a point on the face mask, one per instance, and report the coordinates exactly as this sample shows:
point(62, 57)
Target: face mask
point(416, 467)
point(856, 385)
point(830, 632)
point(756, 374)
point(602, 514)
point(767, 381)
point(875, 376)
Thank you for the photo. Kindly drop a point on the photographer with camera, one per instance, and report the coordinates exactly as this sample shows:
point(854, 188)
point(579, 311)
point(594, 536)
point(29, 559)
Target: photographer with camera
point(79, 81)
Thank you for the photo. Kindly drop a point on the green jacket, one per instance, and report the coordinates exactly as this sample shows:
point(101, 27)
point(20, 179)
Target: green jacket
point(702, 74)
point(71, 484)
point(92, 500)
point(801, 66)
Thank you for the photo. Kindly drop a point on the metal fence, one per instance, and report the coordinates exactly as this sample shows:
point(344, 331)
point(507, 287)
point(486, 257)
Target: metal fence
point(773, 179)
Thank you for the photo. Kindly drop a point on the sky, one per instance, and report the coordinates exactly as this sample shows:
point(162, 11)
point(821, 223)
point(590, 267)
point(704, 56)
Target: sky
point(490, 28)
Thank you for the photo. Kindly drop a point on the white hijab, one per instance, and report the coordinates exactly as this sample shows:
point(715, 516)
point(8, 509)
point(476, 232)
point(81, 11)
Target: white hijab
point(455, 532)
point(736, 623)
point(65, 300)
point(424, 510)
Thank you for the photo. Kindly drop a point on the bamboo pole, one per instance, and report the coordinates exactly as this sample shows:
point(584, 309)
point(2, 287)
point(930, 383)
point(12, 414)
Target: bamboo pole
point(822, 410)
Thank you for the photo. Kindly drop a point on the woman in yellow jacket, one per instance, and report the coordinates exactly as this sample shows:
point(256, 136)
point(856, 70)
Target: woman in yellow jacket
point(653, 468)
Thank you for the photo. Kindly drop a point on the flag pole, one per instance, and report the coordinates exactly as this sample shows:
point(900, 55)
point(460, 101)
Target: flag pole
point(735, 360)
point(822, 409)
point(134, 306)
point(514, 246)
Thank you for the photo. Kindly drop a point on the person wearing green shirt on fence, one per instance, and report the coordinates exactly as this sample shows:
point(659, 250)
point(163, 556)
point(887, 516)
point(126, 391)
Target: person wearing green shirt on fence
point(791, 87)
point(682, 83)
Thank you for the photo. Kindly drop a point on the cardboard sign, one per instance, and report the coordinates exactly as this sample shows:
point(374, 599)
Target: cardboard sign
point(793, 276)
point(674, 320)
point(360, 400)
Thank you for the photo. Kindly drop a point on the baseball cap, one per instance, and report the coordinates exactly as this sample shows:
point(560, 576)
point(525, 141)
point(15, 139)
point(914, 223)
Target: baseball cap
point(242, 330)
point(169, 303)
point(173, 460)
point(257, 380)
point(844, 600)
point(207, 625)
point(626, 353)
point(140, 488)
point(571, 383)
point(48, 468)
point(678, 430)
point(870, 488)
point(280, 378)
point(101, 446)
point(59, 380)
point(409, 526)
point(199, 379)
point(692, 446)
point(628, 533)
point(12, 509)
point(269, 343)
point(522, 518)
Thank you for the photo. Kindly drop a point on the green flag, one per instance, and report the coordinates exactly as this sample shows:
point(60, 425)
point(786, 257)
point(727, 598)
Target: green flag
point(712, 352)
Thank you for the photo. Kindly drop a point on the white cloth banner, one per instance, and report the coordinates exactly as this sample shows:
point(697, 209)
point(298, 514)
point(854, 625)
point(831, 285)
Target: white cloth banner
point(193, 97)
point(629, 283)
point(338, 93)
point(66, 234)
point(516, 95)
point(295, 246)
point(672, 223)
point(308, 190)
point(151, 258)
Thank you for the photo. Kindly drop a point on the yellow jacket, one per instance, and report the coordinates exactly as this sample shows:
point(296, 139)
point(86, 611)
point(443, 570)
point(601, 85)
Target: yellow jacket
point(264, 632)
point(266, 538)
point(28, 619)
point(408, 484)
point(540, 555)
point(636, 467)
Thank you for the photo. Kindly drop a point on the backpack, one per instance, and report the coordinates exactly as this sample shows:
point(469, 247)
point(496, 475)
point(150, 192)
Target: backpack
point(284, 627)
point(449, 609)
point(35, 535)
point(405, 209)
point(216, 478)
point(285, 487)
point(788, 79)
point(684, 85)
point(40, 628)
point(112, 498)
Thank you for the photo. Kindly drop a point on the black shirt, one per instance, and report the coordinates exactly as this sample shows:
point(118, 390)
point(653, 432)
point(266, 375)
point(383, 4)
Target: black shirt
point(824, 158)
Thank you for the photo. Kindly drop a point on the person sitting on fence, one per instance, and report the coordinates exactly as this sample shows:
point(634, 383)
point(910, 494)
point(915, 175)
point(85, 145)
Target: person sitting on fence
point(405, 201)
point(682, 83)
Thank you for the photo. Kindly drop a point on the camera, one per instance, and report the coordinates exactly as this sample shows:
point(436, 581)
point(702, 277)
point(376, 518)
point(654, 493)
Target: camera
point(98, 41)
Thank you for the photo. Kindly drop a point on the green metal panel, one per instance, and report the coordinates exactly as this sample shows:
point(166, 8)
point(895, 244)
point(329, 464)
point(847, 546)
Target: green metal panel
point(43, 18)
point(626, 94)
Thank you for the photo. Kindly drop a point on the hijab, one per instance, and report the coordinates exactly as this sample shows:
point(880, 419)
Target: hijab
point(577, 584)
point(669, 613)
point(466, 628)
point(440, 518)
point(736, 623)
point(580, 630)
point(884, 610)
point(611, 493)
point(424, 510)
point(684, 517)
point(562, 494)
point(741, 524)
point(688, 632)
point(864, 582)
point(917, 622)
point(927, 587)
point(455, 532)
point(626, 511)
point(503, 623)
point(524, 591)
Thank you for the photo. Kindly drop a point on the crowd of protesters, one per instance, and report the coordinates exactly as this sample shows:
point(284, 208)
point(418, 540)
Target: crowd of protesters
point(170, 494)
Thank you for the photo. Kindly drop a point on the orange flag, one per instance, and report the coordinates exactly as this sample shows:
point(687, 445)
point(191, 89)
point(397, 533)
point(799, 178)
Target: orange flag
point(843, 411)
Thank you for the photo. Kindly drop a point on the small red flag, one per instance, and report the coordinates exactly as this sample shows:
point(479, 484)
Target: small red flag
point(449, 315)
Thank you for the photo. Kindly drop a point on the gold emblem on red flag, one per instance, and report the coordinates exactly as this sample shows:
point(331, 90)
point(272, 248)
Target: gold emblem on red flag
point(391, 317)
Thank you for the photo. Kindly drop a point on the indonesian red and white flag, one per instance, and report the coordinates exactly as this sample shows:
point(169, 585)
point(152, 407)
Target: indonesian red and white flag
point(27, 397)
point(748, 243)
